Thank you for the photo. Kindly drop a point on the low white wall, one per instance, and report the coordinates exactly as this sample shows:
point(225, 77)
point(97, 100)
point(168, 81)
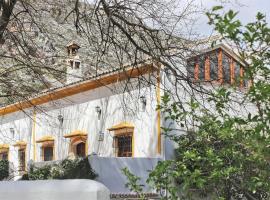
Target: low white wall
point(109, 170)
point(54, 190)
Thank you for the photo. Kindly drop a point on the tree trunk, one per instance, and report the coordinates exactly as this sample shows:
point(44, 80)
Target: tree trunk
point(7, 8)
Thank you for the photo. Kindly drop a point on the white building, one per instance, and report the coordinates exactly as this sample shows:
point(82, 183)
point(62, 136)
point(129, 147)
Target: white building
point(112, 114)
point(109, 114)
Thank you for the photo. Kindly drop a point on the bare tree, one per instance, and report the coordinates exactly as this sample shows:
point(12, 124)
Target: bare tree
point(113, 33)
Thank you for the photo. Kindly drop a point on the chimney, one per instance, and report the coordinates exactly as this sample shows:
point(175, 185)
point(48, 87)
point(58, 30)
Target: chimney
point(74, 65)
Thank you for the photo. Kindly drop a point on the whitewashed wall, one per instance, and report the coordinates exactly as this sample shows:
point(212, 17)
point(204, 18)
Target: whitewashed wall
point(79, 113)
point(54, 190)
point(109, 170)
point(22, 131)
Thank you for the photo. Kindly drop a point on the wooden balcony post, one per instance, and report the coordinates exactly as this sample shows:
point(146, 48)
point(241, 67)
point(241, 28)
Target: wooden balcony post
point(196, 70)
point(241, 76)
point(207, 68)
point(232, 70)
point(220, 68)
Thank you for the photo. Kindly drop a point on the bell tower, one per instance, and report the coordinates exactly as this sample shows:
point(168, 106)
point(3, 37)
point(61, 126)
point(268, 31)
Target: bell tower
point(74, 65)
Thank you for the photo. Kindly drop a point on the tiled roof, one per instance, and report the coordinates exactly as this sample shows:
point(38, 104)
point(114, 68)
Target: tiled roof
point(90, 77)
point(89, 83)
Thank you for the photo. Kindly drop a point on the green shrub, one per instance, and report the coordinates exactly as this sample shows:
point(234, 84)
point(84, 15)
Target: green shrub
point(68, 169)
point(41, 173)
point(77, 169)
point(4, 169)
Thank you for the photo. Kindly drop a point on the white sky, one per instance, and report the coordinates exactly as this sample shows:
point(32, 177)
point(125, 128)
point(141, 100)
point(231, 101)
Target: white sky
point(247, 11)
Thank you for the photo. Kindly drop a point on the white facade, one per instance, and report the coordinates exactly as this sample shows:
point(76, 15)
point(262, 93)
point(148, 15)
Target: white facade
point(118, 105)
point(97, 105)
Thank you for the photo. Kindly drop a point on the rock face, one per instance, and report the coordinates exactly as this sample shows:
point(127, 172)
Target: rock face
point(34, 55)
point(54, 190)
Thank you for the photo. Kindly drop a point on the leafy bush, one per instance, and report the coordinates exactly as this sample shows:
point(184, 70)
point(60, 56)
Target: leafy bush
point(133, 183)
point(67, 169)
point(42, 173)
point(4, 169)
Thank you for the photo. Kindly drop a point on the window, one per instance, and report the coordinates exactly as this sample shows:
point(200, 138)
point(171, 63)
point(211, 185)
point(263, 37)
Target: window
point(237, 73)
point(190, 68)
point(78, 143)
point(77, 65)
point(74, 51)
point(71, 64)
point(123, 140)
point(214, 65)
point(47, 153)
point(80, 149)
point(246, 80)
point(201, 62)
point(226, 69)
point(47, 148)
point(4, 155)
point(21, 155)
point(237, 70)
point(218, 66)
point(124, 145)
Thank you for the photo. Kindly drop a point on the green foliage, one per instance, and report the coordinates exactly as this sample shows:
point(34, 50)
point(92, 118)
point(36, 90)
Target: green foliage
point(4, 169)
point(224, 155)
point(67, 169)
point(42, 173)
point(162, 179)
point(133, 183)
